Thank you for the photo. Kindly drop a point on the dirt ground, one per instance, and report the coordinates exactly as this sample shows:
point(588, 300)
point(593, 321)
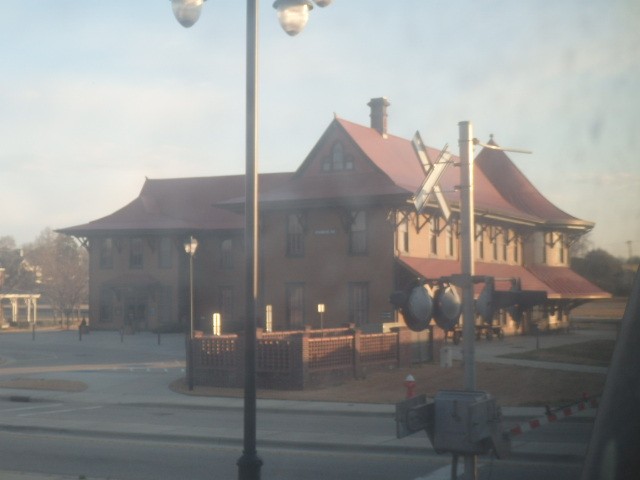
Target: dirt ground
point(511, 385)
point(44, 384)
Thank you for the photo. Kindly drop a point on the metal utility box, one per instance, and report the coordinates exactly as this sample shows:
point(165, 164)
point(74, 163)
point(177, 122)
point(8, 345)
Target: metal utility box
point(468, 422)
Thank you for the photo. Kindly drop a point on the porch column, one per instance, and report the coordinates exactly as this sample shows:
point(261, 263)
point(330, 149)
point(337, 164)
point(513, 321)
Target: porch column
point(14, 310)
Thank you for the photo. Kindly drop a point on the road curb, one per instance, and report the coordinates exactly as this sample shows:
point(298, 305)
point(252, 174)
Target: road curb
point(297, 444)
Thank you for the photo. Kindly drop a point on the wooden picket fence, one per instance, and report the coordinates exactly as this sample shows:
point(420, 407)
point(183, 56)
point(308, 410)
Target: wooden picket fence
point(297, 359)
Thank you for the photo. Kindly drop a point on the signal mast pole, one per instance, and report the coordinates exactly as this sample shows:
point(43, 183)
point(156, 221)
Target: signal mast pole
point(467, 237)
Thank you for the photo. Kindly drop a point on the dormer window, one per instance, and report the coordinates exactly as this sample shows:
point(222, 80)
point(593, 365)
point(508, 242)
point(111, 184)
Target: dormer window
point(337, 161)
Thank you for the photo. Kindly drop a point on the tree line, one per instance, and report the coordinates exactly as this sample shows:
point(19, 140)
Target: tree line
point(612, 274)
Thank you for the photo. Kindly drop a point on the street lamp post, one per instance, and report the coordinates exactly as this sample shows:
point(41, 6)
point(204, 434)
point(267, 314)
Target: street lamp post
point(293, 16)
point(190, 246)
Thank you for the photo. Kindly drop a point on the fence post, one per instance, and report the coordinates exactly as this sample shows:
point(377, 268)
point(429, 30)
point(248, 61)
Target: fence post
point(358, 371)
point(300, 358)
point(405, 356)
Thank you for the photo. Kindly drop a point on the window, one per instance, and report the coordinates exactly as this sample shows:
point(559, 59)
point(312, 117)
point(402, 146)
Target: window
point(450, 244)
point(295, 235)
point(434, 226)
point(505, 244)
point(544, 248)
point(337, 161)
point(106, 305)
point(295, 305)
point(136, 253)
point(225, 302)
point(480, 237)
point(106, 253)
point(403, 235)
point(561, 247)
point(358, 233)
point(494, 246)
point(165, 253)
point(337, 157)
point(515, 250)
point(359, 303)
point(226, 254)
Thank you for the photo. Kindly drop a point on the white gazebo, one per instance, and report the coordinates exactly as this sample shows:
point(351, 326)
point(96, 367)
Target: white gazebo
point(30, 301)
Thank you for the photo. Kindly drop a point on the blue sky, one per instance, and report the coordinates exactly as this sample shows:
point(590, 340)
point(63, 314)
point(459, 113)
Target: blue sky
point(94, 96)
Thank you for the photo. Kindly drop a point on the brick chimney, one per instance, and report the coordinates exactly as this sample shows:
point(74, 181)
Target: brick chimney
point(379, 115)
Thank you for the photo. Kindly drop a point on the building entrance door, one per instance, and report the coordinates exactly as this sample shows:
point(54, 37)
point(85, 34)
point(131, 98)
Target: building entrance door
point(135, 313)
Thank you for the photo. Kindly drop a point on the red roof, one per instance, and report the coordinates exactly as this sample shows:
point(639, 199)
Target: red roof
point(391, 173)
point(567, 283)
point(516, 188)
point(185, 204)
point(558, 282)
point(397, 171)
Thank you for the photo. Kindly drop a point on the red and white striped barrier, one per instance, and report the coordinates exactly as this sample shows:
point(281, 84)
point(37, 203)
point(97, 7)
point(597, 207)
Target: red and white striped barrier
point(551, 417)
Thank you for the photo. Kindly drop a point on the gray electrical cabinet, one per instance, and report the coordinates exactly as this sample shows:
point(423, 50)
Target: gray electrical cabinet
point(468, 422)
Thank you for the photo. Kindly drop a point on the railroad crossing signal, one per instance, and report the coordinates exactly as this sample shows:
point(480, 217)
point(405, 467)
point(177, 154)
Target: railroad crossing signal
point(433, 172)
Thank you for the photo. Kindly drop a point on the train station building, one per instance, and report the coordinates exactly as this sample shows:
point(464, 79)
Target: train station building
point(341, 231)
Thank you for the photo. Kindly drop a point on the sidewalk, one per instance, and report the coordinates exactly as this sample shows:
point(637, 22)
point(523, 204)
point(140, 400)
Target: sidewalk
point(152, 390)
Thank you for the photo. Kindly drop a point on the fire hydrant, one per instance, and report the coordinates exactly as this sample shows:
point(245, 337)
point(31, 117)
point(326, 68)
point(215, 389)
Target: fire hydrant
point(410, 385)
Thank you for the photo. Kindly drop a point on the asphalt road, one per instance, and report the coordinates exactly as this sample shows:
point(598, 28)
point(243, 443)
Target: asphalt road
point(134, 459)
point(127, 425)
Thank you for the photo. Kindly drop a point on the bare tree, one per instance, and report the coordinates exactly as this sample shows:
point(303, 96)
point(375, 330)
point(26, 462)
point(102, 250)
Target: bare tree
point(582, 246)
point(16, 277)
point(61, 267)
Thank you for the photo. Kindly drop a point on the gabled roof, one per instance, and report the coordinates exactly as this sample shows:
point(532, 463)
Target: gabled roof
point(397, 171)
point(516, 189)
point(390, 154)
point(178, 204)
point(392, 174)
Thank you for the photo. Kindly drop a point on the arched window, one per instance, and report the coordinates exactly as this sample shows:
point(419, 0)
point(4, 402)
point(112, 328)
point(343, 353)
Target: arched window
point(337, 157)
point(337, 161)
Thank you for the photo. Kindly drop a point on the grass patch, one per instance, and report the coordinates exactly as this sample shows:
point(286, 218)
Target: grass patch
point(594, 352)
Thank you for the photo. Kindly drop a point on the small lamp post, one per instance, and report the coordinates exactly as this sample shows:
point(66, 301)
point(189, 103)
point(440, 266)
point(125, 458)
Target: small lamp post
point(216, 329)
point(321, 312)
point(190, 246)
point(268, 320)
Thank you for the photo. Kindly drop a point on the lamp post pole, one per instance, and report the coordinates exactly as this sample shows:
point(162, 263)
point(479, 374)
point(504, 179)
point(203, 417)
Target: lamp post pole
point(249, 464)
point(191, 294)
point(293, 16)
point(190, 246)
point(467, 236)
